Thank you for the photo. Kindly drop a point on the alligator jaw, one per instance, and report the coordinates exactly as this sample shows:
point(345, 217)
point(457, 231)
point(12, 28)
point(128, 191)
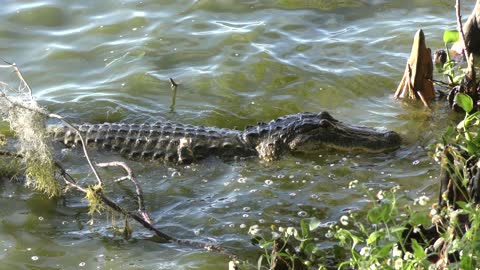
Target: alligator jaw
point(371, 141)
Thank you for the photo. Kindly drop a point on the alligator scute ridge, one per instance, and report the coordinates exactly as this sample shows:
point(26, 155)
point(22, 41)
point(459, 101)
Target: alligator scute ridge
point(185, 143)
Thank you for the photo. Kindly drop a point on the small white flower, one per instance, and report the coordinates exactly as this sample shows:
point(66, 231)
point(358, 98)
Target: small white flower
point(408, 256)
point(254, 230)
point(396, 252)
point(380, 195)
point(416, 229)
point(291, 231)
point(344, 220)
point(374, 266)
point(281, 229)
point(423, 200)
point(433, 212)
point(436, 219)
point(398, 263)
point(365, 251)
point(352, 184)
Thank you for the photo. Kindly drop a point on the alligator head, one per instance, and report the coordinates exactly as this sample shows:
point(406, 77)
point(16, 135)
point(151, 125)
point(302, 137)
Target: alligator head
point(311, 132)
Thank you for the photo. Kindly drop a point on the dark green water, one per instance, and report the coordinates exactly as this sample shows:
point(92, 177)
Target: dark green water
point(237, 62)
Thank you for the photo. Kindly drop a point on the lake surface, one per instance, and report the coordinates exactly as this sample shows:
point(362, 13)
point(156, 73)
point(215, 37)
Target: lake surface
point(237, 62)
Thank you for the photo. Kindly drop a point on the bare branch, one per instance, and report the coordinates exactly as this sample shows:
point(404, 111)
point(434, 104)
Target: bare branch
point(19, 74)
point(84, 145)
point(460, 29)
point(142, 216)
point(130, 176)
point(56, 116)
point(173, 83)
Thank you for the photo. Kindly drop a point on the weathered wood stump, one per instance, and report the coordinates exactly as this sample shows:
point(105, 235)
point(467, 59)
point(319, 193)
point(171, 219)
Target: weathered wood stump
point(417, 79)
point(472, 33)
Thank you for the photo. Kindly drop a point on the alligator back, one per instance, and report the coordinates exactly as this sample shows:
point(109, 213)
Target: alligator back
point(167, 141)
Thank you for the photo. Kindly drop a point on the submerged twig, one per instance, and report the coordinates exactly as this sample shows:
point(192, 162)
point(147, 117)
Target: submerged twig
point(174, 86)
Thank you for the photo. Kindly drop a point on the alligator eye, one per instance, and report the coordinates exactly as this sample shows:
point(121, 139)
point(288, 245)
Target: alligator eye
point(324, 123)
point(306, 127)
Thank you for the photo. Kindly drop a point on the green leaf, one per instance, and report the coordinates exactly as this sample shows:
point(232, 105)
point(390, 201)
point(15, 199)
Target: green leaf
point(464, 101)
point(265, 244)
point(449, 134)
point(471, 148)
point(418, 251)
point(449, 65)
point(375, 235)
point(462, 205)
point(314, 223)
point(304, 224)
point(475, 115)
point(419, 218)
point(383, 212)
point(458, 79)
point(310, 248)
point(396, 229)
point(450, 36)
point(385, 250)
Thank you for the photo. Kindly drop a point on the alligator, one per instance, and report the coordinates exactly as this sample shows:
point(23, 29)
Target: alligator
point(184, 143)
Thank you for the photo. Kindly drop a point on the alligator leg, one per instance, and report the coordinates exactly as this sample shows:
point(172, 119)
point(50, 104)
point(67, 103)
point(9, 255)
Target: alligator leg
point(185, 153)
point(417, 78)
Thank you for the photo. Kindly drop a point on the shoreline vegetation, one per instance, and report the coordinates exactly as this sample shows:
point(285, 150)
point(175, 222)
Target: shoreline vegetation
point(392, 234)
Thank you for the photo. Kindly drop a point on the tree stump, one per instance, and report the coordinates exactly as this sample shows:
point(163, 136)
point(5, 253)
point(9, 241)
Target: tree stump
point(472, 31)
point(417, 79)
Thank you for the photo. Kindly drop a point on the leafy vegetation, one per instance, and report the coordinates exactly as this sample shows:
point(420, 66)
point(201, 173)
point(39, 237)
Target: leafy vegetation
point(378, 245)
point(450, 67)
point(382, 239)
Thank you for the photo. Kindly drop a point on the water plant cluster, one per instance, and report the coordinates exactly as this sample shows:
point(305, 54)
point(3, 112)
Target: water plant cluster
point(397, 232)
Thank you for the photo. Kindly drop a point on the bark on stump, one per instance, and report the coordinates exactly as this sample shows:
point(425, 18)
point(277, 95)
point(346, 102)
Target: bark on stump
point(417, 79)
point(472, 33)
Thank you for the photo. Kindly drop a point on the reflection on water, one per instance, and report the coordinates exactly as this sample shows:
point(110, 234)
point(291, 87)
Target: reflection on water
point(237, 62)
